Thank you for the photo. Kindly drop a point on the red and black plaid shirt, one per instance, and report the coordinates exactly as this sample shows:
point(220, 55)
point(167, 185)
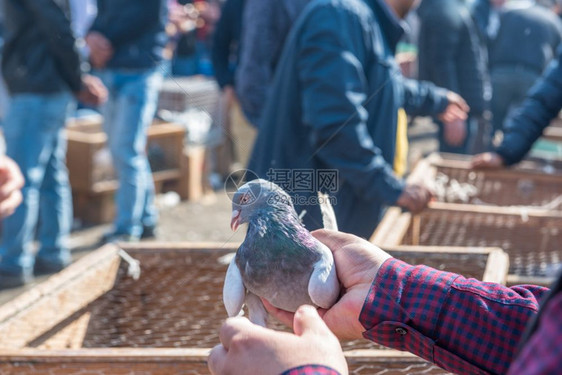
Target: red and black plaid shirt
point(462, 325)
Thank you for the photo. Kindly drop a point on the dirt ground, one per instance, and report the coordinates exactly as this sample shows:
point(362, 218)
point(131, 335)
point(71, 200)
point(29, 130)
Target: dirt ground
point(209, 219)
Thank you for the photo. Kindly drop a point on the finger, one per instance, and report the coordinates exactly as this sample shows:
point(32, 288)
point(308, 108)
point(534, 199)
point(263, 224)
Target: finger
point(231, 327)
point(217, 360)
point(334, 240)
point(307, 320)
point(285, 317)
point(9, 205)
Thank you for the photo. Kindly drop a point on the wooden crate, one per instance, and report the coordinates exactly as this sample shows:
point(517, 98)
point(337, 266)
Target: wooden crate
point(531, 238)
point(93, 316)
point(86, 138)
point(524, 185)
point(553, 133)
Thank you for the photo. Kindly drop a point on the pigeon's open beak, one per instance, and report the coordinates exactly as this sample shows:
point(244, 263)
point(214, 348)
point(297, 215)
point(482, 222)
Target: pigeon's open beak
point(235, 222)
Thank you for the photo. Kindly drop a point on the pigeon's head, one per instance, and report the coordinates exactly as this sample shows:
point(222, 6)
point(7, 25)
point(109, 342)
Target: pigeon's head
point(258, 195)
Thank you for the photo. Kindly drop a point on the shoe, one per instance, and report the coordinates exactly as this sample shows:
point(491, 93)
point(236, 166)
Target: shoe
point(113, 237)
point(42, 267)
point(13, 280)
point(149, 232)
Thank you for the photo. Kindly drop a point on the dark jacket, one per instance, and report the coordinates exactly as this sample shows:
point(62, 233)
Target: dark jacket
point(528, 38)
point(39, 54)
point(136, 30)
point(266, 24)
point(543, 103)
point(450, 52)
point(226, 42)
point(333, 106)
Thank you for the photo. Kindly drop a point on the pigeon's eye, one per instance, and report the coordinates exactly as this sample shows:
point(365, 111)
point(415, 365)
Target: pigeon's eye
point(245, 199)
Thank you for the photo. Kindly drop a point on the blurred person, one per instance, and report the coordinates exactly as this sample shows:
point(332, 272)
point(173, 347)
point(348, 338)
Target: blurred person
point(526, 42)
point(333, 112)
point(523, 129)
point(265, 26)
point(462, 325)
point(486, 17)
point(192, 52)
point(225, 53)
point(451, 56)
point(127, 41)
point(42, 69)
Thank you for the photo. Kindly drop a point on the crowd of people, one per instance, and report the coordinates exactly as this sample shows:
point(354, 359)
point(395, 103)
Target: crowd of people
point(319, 82)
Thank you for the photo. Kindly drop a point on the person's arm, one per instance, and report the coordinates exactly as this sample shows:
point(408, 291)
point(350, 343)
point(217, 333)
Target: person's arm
point(542, 353)
point(54, 24)
point(543, 103)
point(255, 72)
point(128, 24)
point(334, 90)
point(462, 325)
point(222, 42)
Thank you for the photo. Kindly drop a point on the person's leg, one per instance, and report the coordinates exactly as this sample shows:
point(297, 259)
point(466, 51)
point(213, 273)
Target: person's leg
point(29, 142)
point(55, 194)
point(135, 103)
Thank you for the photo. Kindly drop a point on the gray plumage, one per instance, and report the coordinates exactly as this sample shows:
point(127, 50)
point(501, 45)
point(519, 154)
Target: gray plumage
point(279, 259)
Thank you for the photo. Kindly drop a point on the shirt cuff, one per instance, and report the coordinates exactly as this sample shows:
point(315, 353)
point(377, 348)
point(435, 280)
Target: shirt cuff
point(311, 370)
point(403, 306)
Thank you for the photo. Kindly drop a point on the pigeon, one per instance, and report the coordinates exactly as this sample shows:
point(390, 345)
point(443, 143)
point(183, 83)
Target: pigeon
point(279, 259)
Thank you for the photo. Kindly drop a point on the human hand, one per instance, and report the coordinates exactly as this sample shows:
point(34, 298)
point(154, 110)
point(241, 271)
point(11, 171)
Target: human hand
point(455, 132)
point(489, 160)
point(457, 109)
point(93, 91)
point(357, 264)
point(247, 348)
point(229, 96)
point(101, 49)
point(415, 198)
point(11, 182)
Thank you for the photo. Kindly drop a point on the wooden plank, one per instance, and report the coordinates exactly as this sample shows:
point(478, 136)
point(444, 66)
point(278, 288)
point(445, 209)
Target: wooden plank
point(497, 267)
point(38, 310)
point(188, 355)
point(496, 210)
point(386, 227)
point(529, 280)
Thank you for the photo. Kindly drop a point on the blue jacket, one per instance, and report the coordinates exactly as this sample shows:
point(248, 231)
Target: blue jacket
point(136, 29)
point(543, 103)
point(528, 37)
point(451, 54)
point(265, 26)
point(334, 105)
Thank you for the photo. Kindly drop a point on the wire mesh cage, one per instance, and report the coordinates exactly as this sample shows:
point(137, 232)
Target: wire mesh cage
point(95, 314)
point(532, 239)
point(529, 184)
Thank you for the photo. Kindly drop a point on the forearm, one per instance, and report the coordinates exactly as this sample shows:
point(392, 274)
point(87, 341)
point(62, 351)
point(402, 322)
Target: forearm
point(462, 325)
point(424, 98)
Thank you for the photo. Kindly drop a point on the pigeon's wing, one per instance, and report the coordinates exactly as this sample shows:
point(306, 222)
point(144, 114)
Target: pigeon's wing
point(328, 215)
point(233, 292)
point(323, 286)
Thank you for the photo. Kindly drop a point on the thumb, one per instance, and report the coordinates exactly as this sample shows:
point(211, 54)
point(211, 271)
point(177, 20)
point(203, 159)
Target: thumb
point(307, 320)
point(334, 240)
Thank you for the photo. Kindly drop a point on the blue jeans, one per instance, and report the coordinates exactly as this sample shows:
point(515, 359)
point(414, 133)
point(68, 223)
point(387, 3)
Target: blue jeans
point(35, 140)
point(127, 114)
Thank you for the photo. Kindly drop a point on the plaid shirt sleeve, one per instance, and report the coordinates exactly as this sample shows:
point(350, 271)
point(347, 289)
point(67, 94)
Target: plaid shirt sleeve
point(462, 325)
point(311, 370)
point(542, 354)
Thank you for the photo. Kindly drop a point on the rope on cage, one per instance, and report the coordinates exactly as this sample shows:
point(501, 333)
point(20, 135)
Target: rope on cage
point(134, 269)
